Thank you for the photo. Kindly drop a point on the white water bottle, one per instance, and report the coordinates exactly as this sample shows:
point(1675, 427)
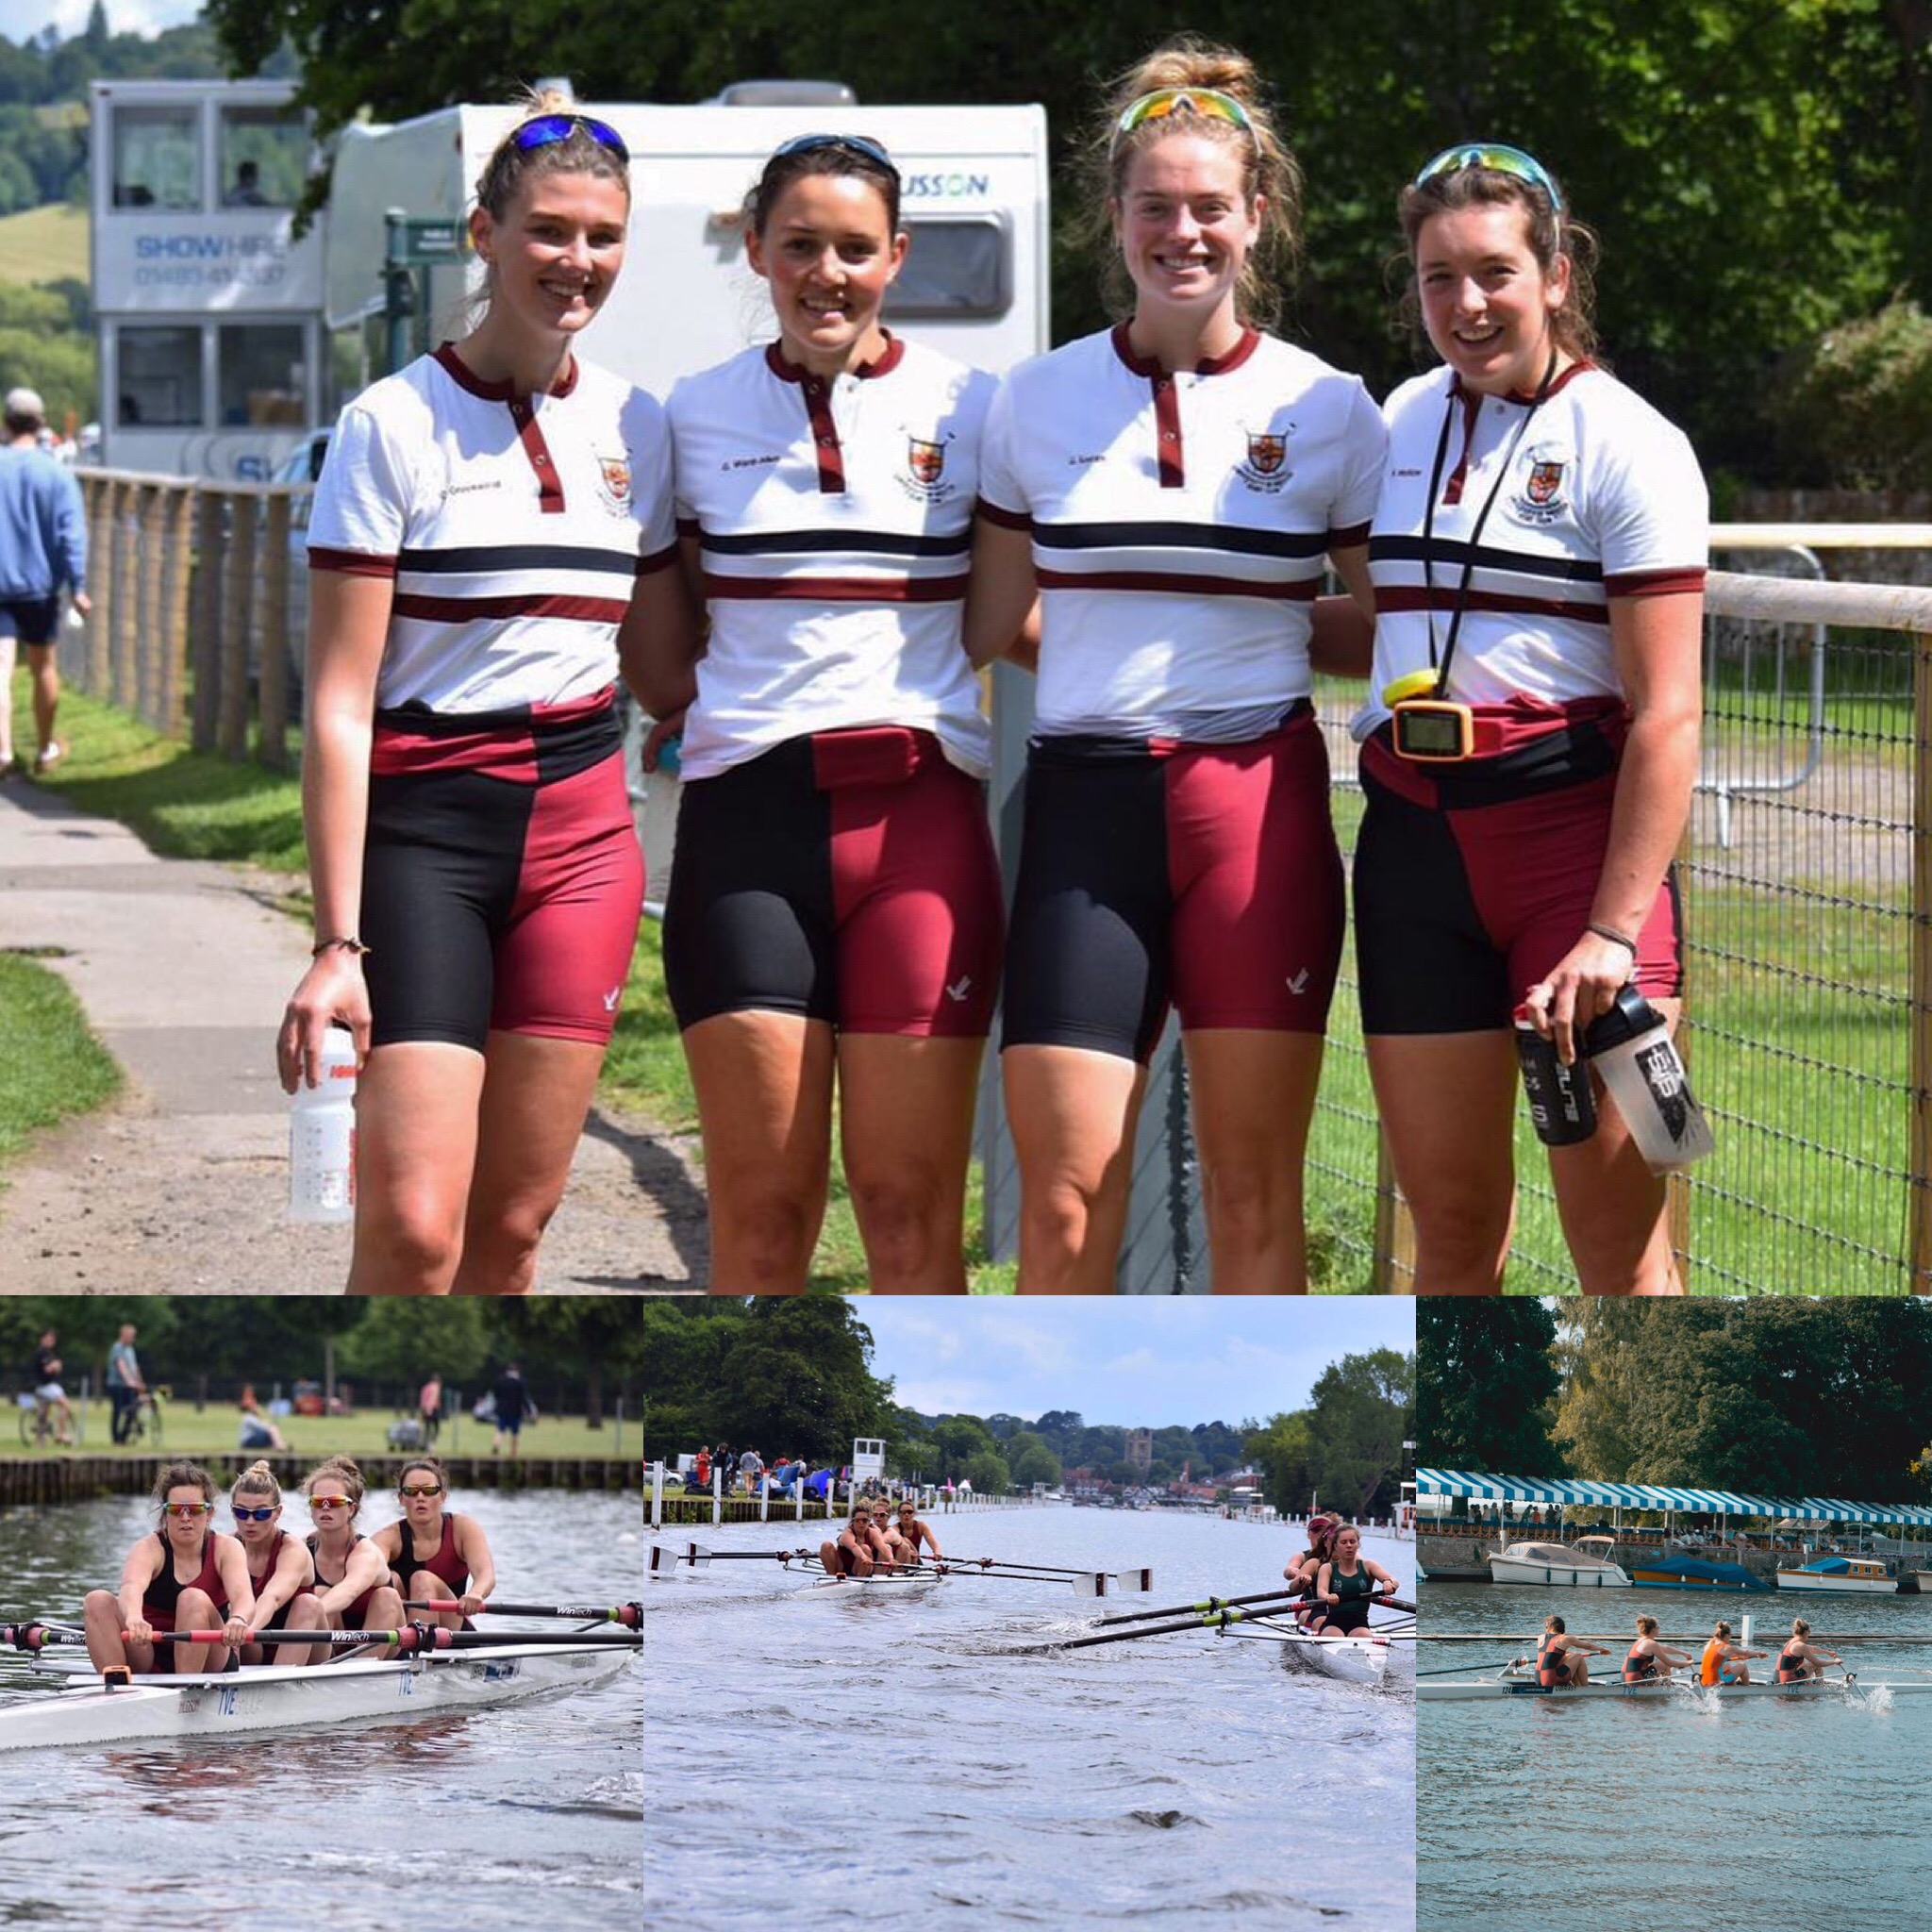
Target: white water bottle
point(1632, 1049)
point(321, 1137)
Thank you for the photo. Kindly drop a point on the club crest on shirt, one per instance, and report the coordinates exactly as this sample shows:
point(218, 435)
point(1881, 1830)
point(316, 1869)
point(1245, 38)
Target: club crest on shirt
point(613, 483)
point(926, 469)
point(1542, 498)
point(1264, 469)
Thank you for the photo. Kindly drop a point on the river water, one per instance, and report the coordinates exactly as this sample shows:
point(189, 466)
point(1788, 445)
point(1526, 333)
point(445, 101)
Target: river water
point(488, 1820)
point(1594, 1817)
point(819, 1760)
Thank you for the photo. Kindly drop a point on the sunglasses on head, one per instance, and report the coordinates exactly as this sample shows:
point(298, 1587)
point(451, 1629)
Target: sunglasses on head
point(859, 143)
point(546, 130)
point(1497, 159)
point(261, 1515)
point(1208, 101)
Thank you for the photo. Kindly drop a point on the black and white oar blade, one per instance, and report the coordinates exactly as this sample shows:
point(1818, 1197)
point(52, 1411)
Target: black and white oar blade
point(1095, 1583)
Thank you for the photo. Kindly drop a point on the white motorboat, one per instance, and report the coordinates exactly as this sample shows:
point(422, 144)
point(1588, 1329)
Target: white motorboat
point(1854, 1575)
point(1584, 1564)
point(274, 1697)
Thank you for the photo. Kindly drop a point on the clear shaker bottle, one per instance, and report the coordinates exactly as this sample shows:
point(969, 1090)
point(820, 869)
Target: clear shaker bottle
point(321, 1137)
point(1645, 1076)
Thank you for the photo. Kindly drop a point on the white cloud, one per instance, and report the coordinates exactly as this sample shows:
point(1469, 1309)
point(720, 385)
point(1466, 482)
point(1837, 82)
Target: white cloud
point(1126, 1360)
point(20, 20)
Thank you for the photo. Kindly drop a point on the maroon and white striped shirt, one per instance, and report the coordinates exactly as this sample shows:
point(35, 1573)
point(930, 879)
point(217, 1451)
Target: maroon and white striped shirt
point(514, 528)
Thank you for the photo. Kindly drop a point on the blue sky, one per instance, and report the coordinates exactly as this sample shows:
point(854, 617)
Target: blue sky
point(21, 19)
point(1135, 1360)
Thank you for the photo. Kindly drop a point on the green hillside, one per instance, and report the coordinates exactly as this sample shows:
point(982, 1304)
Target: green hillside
point(45, 245)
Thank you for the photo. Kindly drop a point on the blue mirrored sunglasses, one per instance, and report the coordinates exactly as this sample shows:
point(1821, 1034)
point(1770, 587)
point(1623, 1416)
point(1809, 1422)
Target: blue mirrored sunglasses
point(862, 144)
point(546, 130)
point(1499, 159)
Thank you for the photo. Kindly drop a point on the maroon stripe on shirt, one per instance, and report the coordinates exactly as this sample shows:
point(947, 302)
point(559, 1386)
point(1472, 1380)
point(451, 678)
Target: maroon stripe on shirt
point(355, 564)
point(1445, 598)
point(530, 433)
point(1655, 583)
point(536, 604)
point(1302, 591)
point(948, 590)
point(1005, 519)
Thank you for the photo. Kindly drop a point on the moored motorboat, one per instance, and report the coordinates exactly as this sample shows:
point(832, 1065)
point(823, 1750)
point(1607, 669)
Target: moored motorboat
point(1694, 1572)
point(1857, 1576)
point(1586, 1563)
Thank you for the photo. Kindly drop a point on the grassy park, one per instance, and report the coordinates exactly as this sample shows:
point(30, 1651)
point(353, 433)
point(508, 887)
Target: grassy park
point(45, 245)
point(212, 1433)
point(1797, 1013)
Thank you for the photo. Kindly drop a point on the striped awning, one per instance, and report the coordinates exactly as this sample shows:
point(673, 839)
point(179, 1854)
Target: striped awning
point(1576, 1493)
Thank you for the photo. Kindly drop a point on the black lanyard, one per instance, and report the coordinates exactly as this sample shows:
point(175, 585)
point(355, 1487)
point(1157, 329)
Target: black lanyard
point(1461, 603)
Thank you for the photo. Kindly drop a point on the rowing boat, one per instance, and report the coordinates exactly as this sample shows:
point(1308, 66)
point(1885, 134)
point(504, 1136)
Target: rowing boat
point(1566, 1693)
point(824, 1589)
point(275, 1697)
point(1360, 1658)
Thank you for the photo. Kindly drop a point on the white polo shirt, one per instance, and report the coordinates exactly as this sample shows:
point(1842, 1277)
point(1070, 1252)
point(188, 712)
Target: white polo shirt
point(834, 522)
point(1596, 496)
point(1180, 522)
point(513, 526)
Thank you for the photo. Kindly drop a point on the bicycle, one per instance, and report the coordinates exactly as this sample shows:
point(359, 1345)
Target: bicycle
point(144, 1421)
point(37, 1426)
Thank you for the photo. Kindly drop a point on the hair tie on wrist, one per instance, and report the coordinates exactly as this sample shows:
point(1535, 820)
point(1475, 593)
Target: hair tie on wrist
point(1610, 932)
point(346, 941)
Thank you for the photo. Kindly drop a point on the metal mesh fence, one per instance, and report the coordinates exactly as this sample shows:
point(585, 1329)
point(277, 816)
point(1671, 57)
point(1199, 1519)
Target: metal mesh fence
point(1802, 1019)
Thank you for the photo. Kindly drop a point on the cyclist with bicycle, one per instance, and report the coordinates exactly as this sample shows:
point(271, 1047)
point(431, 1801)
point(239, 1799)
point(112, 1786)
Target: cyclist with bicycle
point(47, 1390)
point(126, 1385)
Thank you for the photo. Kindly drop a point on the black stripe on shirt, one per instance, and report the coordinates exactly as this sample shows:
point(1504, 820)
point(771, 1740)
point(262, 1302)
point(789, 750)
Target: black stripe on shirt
point(792, 543)
point(1223, 537)
point(481, 559)
point(1448, 552)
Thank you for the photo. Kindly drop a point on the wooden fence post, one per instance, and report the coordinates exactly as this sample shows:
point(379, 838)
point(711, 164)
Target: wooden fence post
point(273, 747)
point(124, 679)
point(152, 545)
point(205, 646)
point(1919, 1235)
point(238, 598)
point(178, 544)
point(100, 551)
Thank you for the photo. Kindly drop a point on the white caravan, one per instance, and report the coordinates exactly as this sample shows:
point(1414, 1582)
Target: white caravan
point(975, 203)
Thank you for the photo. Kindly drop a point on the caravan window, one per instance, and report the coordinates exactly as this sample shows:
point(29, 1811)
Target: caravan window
point(157, 157)
point(262, 379)
point(957, 267)
point(264, 157)
point(160, 379)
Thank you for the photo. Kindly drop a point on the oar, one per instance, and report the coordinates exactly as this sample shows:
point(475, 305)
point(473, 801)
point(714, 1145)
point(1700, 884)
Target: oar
point(666, 1558)
point(629, 1615)
point(37, 1636)
point(411, 1637)
point(1283, 1597)
point(1057, 1570)
point(1219, 1620)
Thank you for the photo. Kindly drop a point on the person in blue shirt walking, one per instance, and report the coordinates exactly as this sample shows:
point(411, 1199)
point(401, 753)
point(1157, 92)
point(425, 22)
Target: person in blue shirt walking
point(42, 552)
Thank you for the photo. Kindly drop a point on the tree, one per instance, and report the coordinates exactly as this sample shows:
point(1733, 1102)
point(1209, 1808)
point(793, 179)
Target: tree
point(1284, 1452)
point(1756, 173)
point(1363, 1410)
point(1031, 1461)
point(794, 1376)
point(402, 1339)
point(987, 1473)
point(1483, 1384)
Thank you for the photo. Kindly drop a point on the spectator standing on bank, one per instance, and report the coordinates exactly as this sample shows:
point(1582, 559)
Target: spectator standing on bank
point(125, 1385)
point(750, 1466)
point(42, 552)
point(512, 1404)
point(430, 1407)
point(701, 1468)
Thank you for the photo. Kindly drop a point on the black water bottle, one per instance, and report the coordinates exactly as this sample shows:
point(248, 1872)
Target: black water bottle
point(1561, 1104)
